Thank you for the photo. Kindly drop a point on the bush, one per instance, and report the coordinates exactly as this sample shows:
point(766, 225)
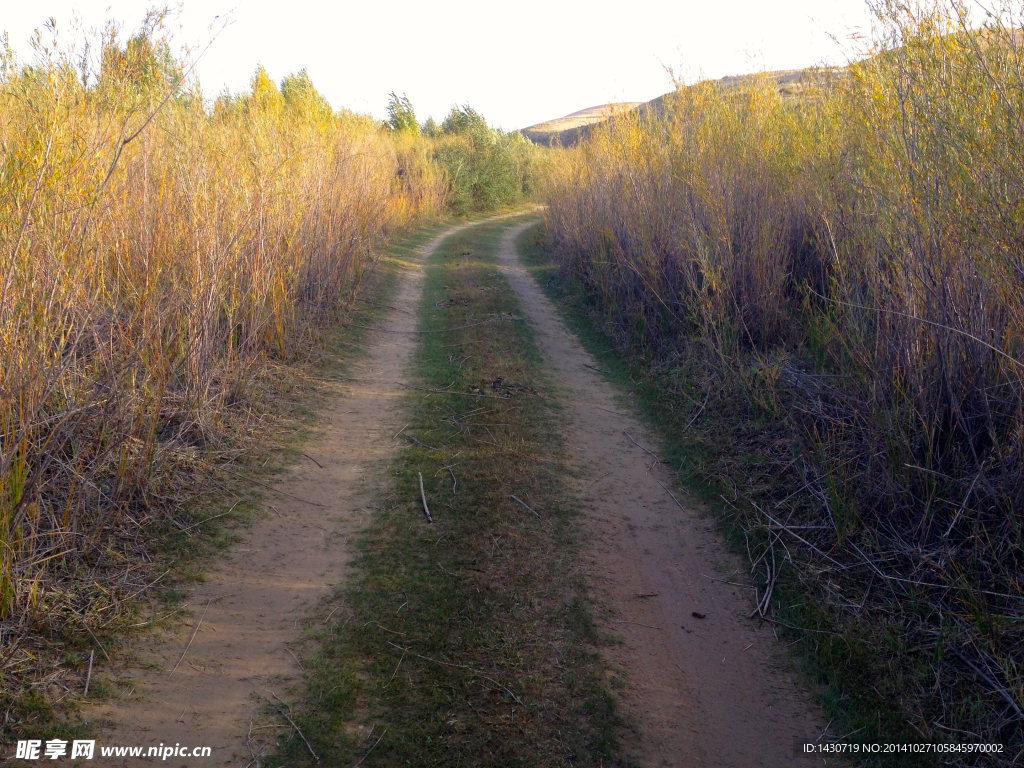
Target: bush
point(485, 168)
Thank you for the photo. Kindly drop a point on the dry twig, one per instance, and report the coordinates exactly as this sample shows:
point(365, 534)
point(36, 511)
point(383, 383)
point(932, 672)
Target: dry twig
point(423, 495)
point(194, 633)
point(641, 447)
point(527, 506)
point(88, 677)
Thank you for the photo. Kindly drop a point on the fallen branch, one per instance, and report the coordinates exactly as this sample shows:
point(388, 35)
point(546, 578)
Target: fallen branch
point(246, 478)
point(88, 677)
point(133, 596)
point(448, 392)
point(96, 639)
point(796, 536)
point(421, 444)
point(459, 666)
point(699, 412)
point(214, 517)
point(455, 482)
point(397, 667)
point(371, 748)
point(423, 495)
point(265, 485)
point(439, 330)
point(301, 736)
point(672, 495)
point(638, 624)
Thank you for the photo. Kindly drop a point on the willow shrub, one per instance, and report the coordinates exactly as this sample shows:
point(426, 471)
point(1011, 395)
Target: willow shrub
point(853, 262)
point(485, 168)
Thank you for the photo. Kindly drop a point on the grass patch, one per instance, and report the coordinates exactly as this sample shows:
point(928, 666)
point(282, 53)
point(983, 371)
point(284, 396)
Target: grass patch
point(466, 641)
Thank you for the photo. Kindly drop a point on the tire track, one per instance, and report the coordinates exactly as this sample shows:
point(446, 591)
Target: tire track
point(705, 684)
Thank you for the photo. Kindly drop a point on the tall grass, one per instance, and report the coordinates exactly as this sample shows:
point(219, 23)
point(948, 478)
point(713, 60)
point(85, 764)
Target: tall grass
point(851, 262)
point(159, 255)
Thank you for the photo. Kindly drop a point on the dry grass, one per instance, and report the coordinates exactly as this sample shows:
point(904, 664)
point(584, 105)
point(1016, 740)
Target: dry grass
point(160, 261)
point(849, 265)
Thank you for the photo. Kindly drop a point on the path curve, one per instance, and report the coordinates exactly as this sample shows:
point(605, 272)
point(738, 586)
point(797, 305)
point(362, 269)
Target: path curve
point(253, 600)
point(705, 692)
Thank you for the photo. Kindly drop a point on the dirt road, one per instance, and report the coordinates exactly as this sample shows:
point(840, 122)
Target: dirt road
point(708, 690)
point(253, 601)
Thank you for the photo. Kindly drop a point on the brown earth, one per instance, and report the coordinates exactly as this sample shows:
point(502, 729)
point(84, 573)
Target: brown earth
point(254, 601)
point(705, 691)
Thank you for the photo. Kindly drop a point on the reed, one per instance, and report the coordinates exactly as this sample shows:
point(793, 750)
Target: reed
point(848, 262)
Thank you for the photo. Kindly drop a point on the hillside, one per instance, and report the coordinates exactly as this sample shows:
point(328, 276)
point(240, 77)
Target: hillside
point(567, 131)
point(541, 133)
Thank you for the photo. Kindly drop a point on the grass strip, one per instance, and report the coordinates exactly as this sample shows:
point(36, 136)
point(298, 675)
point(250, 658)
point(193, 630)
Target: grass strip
point(466, 640)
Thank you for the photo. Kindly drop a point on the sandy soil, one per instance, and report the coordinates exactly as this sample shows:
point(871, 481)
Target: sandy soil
point(709, 691)
point(252, 602)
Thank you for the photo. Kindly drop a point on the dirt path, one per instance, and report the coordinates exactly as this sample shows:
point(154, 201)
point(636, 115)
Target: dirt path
point(253, 601)
point(705, 691)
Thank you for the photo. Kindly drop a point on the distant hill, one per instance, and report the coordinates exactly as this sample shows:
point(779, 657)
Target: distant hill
point(541, 133)
point(568, 130)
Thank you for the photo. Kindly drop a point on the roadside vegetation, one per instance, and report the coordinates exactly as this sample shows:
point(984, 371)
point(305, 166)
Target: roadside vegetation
point(464, 638)
point(825, 295)
point(167, 263)
point(486, 168)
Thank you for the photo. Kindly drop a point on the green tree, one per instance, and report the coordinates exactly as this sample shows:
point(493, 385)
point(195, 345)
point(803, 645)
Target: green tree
point(485, 168)
point(302, 97)
point(401, 115)
point(464, 119)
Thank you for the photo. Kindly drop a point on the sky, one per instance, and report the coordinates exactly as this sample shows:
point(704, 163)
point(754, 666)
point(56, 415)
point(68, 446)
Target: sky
point(518, 63)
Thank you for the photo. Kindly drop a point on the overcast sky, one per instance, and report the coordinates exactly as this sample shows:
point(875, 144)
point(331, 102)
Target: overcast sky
point(518, 63)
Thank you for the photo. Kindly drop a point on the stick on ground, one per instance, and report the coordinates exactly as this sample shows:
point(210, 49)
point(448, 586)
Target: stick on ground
point(527, 506)
point(424, 445)
point(669, 492)
point(371, 749)
point(423, 495)
point(301, 736)
point(660, 461)
point(194, 633)
point(88, 677)
point(97, 641)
